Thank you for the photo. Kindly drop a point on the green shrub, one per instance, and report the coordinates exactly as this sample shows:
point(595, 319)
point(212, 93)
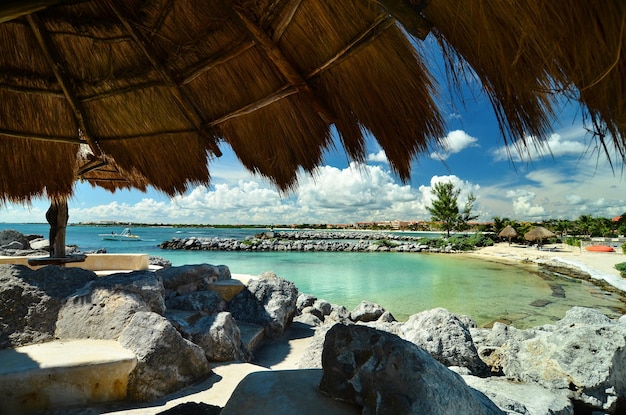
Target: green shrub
point(624, 248)
point(468, 242)
point(572, 241)
point(621, 267)
point(386, 242)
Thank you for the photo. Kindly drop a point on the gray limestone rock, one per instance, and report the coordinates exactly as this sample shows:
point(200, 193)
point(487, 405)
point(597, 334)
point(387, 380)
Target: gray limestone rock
point(166, 362)
point(207, 301)
point(40, 244)
point(102, 308)
point(30, 301)
point(268, 301)
point(308, 319)
point(584, 355)
point(366, 311)
point(314, 311)
point(11, 239)
point(385, 374)
point(219, 337)
point(339, 314)
point(446, 338)
point(305, 300)
point(517, 398)
point(189, 278)
point(323, 306)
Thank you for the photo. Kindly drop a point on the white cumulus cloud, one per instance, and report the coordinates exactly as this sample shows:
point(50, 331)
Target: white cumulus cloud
point(523, 204)
point(379, 157)
point(556, 145)
point(455, 142)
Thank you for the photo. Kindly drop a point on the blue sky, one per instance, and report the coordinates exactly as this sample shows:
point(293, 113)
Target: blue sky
point(568, 179)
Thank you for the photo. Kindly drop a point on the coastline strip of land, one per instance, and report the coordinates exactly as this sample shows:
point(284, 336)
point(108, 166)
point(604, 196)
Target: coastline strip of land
point(599, 265)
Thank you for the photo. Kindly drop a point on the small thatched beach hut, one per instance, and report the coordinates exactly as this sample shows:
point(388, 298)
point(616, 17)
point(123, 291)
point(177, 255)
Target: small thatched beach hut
point(129, 94)
point(508, 232)
point(538, 233)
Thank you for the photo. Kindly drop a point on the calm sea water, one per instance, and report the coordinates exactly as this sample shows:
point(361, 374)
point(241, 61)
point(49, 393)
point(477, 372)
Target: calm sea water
point(403, 283)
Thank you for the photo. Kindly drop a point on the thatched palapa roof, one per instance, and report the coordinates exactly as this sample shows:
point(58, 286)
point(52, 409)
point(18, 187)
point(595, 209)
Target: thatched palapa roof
point(508, 232)
point(134, 93)
point(538, 233)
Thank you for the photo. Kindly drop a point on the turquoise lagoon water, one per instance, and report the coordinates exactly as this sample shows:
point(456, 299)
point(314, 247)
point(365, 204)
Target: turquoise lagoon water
point(403, 283)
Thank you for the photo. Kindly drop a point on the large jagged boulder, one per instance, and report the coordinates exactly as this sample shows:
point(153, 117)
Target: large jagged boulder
point(446, 337)
point(166, 361)
point(9, 237)
point(208, 301)
point(385, 374)
point(366, 311)
point(220, 338)
point(516, 398)
point(268, 301)
point(30, 301)
point(103, 307)
point(189, 278)
point(583, 355)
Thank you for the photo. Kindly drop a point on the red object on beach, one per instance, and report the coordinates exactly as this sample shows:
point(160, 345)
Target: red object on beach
point(599, 248)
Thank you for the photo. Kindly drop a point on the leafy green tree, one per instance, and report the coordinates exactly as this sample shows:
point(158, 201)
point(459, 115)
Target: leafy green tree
point(561, 227)
point(583, 224)
point(498, 224)
point(466, 216)
point(445, 208)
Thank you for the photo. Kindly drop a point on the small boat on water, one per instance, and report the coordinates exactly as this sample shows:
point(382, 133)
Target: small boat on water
point(599, 248)
point(126, 235)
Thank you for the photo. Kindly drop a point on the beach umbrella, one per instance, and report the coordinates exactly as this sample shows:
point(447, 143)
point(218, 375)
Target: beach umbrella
point(509, 232)
point(538, 233)
point(130, 94)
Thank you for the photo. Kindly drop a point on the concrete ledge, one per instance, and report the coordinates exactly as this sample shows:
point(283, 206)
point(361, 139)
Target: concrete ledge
point(227, 288)
point(60, 373)
point(93, 262)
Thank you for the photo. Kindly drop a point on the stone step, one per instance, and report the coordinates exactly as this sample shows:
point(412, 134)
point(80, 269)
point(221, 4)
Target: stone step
point(251, 335)
point(227, 289)
point(62, 373)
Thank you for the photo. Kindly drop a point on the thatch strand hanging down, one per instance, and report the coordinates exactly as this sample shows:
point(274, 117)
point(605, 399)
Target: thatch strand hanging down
point(127, 94)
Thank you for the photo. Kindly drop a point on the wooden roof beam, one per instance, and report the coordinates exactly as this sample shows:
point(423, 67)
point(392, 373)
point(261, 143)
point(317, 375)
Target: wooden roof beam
point(54, 62)
point(284, 14)
point(188, 110)
point(408, 13)
point(193, 72)
point(285, 67)
point(11, 9)
point(40, 137)
point(378, 27)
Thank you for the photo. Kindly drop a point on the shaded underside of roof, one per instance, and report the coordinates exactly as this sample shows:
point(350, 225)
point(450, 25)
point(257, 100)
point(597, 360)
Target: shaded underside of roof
point(126, 94)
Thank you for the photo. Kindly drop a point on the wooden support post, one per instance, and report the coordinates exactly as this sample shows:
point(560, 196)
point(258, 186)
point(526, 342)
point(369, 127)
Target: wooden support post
point(57, 216)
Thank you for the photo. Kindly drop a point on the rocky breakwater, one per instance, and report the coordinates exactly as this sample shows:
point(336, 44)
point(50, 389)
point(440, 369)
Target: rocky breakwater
point(307, 242)
point(176, 321)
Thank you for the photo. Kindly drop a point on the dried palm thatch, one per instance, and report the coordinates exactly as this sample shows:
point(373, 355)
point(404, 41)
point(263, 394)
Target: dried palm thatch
point(538, 233)
point(508, 232)
point(154, 88)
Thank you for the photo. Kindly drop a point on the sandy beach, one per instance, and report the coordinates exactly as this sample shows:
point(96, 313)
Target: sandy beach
point(599, 265)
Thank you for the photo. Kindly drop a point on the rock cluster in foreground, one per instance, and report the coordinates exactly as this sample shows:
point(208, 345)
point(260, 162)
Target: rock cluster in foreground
point(185, 318)
point(577, 365)
point(179, 318)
